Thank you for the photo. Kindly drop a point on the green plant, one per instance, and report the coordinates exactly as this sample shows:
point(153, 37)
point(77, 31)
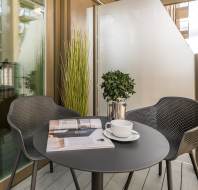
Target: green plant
point(117, 86)
point(75, 74)
point(34, 81)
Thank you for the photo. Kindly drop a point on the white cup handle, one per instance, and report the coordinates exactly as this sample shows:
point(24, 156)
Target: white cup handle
point(106, 127)
point(106, 124)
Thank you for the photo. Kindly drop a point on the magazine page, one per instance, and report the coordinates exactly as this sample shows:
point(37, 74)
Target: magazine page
point(64, 124)
point(87, 135)
point(94, 141)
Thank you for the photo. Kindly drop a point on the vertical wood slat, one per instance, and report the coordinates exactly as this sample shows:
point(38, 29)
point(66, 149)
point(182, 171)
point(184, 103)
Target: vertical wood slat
point(68, 20)
point(57, 45)
point(49, 78)
point(95, 60)
point(62, 35)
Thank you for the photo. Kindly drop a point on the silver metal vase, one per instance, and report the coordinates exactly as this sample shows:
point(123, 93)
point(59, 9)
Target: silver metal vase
point(116, 110)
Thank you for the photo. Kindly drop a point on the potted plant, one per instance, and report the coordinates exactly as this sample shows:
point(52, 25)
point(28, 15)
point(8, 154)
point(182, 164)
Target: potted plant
point(117, 87)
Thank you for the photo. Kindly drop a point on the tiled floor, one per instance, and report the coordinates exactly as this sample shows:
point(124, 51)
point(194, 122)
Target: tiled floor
point(183, 179)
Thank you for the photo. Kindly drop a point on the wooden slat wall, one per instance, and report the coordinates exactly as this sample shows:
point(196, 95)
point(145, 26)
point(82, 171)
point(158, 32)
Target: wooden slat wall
point(50, 48)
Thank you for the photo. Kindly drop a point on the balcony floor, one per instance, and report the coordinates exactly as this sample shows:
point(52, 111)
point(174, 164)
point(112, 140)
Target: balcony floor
point(142, 180)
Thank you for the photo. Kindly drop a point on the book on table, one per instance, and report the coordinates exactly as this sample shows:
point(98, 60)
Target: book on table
point(76, 134)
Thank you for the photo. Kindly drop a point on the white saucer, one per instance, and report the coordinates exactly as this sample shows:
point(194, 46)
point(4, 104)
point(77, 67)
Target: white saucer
point(132, 137)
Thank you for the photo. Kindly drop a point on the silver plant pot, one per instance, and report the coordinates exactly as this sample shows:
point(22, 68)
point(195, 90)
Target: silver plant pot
point(116, 110)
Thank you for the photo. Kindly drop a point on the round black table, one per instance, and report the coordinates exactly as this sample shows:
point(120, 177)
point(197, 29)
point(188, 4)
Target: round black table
point(150, 149)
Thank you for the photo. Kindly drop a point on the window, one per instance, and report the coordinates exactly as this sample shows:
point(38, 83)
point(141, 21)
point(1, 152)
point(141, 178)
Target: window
point(185, 16)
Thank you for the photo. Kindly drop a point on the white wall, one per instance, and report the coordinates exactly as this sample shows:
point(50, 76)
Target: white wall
point(139, 38)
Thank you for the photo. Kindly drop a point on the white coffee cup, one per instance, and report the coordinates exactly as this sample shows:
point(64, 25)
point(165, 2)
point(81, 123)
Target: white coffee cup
point(120, 128)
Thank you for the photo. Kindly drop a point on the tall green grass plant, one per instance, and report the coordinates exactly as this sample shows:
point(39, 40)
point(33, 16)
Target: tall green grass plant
point(74, 89)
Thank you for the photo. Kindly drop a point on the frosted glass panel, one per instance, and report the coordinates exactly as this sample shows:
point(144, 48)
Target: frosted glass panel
point(138, 37)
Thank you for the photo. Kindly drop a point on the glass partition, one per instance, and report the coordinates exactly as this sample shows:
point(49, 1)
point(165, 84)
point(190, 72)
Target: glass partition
point(139, 37)
point(22, 64)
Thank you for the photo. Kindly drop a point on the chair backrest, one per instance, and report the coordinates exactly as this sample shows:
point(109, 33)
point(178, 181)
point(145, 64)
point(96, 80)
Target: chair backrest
point(146, 115)
point(175, 115)
point(29, 113)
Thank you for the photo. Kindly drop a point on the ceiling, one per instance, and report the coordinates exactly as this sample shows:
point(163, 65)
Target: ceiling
point(165, 2)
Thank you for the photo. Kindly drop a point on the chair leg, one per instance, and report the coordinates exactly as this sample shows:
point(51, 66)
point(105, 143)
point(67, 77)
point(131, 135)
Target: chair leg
point(160, 168)
point(75, 179)
point(169, 175)
point(194, 163)
point(126, 186)
point(51, 167)
point(34, 174)
point(14, 170)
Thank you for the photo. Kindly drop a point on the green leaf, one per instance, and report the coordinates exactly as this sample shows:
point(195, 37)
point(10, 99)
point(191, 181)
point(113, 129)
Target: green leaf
point(117, 85)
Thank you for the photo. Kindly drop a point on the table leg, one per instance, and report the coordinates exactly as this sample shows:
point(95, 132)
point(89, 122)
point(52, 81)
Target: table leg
point(97, 181)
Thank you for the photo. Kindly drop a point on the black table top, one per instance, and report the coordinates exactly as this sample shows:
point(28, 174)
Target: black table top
point(150, 149)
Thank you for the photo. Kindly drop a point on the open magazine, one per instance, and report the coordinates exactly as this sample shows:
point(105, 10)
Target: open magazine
point(76, 134)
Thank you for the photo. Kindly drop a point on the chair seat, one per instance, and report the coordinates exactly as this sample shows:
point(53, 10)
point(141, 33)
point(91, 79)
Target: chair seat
point(33, 154)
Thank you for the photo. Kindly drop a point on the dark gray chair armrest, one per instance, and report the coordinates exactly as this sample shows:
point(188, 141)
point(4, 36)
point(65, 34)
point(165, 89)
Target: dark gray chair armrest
point(18, 136)
point(189, 141)
point(145, 115)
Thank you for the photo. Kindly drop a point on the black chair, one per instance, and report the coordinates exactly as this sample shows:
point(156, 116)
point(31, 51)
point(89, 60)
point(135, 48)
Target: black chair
point(177, 119)
point(25, 116)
